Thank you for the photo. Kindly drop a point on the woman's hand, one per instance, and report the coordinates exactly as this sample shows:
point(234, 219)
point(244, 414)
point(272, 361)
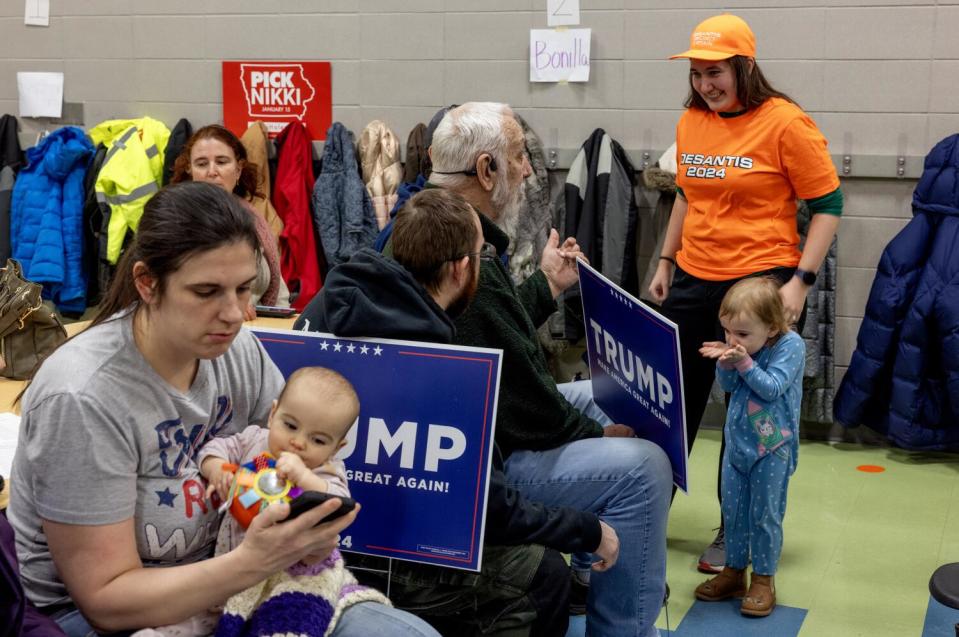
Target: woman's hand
point(793, 293)
point(274, 545)
point(659, 286)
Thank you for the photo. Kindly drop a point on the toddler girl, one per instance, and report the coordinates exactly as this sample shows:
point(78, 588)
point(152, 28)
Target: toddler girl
point(761, 366)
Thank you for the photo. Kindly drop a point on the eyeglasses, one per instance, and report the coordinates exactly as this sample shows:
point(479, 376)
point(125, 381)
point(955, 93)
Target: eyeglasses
point(486, 253)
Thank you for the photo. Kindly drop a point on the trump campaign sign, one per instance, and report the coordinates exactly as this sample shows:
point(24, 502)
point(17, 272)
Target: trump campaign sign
point(277, 93)
point(635, 366)
point(418, 458)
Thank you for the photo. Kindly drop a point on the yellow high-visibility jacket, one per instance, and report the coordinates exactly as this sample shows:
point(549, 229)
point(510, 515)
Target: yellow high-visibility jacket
point(131, 172)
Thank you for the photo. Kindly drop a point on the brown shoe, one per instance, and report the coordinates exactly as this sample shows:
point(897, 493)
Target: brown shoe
point(731, 582)
point(761, 598)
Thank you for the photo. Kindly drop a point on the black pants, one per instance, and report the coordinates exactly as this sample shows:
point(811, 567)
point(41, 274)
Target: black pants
point(522, 591)
point(693, 304)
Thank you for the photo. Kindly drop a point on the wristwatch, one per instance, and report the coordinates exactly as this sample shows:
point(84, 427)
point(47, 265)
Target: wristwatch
point(805, 276)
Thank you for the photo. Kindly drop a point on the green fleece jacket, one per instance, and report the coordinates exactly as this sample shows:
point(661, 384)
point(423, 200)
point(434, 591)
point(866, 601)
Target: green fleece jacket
point(531, 413)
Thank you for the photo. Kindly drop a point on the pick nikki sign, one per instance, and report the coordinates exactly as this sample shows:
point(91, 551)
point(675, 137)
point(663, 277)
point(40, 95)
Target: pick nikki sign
point(277, 93)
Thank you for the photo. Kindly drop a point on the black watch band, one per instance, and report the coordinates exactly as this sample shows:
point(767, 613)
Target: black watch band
point(809, 278)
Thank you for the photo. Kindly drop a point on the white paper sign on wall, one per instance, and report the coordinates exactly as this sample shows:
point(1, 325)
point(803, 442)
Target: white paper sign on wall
point(37, 13)
point(41, 94)
point(562, 13)
point(558, 56)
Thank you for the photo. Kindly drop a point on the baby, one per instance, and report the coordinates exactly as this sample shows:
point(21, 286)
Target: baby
point(308, 424)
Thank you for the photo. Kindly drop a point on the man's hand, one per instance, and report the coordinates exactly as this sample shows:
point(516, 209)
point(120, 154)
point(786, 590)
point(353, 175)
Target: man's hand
point(618, 431)
point(608, 551)
point(289, 466)
point(558, 263)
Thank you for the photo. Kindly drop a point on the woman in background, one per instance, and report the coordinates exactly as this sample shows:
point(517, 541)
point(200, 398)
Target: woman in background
point(745, 153)
point(214, 155)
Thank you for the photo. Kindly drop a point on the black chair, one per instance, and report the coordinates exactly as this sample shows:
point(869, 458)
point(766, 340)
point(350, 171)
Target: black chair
point(944, 587)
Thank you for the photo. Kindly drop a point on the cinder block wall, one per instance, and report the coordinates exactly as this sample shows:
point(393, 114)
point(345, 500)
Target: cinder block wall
point(878, 76)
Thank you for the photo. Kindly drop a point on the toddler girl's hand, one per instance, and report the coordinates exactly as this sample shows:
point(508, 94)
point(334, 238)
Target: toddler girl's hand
point(289, 466)
point(733, 354)
point(713, 349)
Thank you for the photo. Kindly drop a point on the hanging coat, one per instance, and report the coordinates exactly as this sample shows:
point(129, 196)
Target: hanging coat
point(533, 225)
point(903, 379)
point(256, 141)
point(341, 206)
point(11, 160)
point(379, 152)
point(46, 221)
point(179, 136)
point(600, 211)
point(417, 158)
point(131, 173)
point(291, 197)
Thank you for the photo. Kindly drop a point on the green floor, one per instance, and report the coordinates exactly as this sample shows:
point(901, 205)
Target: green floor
point(859, 547)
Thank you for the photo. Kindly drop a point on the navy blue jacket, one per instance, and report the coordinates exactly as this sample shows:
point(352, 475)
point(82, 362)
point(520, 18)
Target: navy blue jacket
point(903, 379)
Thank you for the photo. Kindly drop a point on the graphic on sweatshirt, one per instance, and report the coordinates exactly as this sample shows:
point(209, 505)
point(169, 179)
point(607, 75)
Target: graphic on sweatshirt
point(771, 437)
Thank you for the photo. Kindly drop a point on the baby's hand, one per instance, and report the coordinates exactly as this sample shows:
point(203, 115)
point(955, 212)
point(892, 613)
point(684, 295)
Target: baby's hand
point(289, 466)
point(220, 482)
point(733, 355)
point(713, 349)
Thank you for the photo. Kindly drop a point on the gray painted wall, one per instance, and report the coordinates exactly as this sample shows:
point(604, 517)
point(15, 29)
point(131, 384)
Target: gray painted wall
point(879, 77)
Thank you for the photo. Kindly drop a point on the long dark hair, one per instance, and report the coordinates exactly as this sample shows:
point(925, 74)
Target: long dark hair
point(248, 183)
point(179, 222)
point(752, 87)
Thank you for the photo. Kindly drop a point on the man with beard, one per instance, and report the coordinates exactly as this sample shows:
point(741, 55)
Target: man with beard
point(523, 587)
point(560, 448)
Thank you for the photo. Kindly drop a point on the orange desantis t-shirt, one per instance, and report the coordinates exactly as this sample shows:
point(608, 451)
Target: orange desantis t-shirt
point(741, 177)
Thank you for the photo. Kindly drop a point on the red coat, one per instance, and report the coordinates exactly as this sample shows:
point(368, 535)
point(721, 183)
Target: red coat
point(291, 198)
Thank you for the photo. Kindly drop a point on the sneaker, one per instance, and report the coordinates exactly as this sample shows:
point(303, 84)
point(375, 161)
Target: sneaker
point(578, 592)
point(713, 558)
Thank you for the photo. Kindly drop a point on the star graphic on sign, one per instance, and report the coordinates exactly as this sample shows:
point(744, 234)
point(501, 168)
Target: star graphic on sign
point(337, 346)
point(364, 349)
point(377, 350)
point(166, 497)
point(324, 346)
point(350, 348)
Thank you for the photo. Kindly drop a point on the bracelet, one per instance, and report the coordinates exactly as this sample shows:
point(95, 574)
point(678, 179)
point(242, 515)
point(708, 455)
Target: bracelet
point(670, 259)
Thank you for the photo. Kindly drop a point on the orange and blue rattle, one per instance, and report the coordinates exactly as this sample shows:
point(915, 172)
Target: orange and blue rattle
point(255, 486)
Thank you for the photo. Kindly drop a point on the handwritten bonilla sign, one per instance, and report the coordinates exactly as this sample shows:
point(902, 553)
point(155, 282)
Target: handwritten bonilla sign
point(561, 55)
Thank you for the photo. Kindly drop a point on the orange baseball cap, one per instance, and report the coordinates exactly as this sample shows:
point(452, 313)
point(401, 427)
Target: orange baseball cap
point(719, 38)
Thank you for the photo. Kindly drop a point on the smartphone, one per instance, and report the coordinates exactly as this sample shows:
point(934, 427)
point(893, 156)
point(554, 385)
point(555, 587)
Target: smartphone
point(310, 499)
point(274, 311)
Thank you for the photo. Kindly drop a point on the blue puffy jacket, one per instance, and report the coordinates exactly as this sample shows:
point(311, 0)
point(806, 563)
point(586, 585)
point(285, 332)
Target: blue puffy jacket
point(903, 379)
point(46, 219)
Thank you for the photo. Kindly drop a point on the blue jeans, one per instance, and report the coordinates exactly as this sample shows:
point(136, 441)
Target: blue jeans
point(627, 482)
point(360, 620)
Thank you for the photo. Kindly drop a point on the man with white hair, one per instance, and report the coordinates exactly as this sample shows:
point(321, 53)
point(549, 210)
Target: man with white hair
point(562, 449)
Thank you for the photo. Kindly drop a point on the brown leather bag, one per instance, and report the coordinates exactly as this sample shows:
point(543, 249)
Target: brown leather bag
point(29, 330)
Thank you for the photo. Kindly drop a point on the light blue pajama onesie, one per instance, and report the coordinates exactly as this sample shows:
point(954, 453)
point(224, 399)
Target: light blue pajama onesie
point(762, 445)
